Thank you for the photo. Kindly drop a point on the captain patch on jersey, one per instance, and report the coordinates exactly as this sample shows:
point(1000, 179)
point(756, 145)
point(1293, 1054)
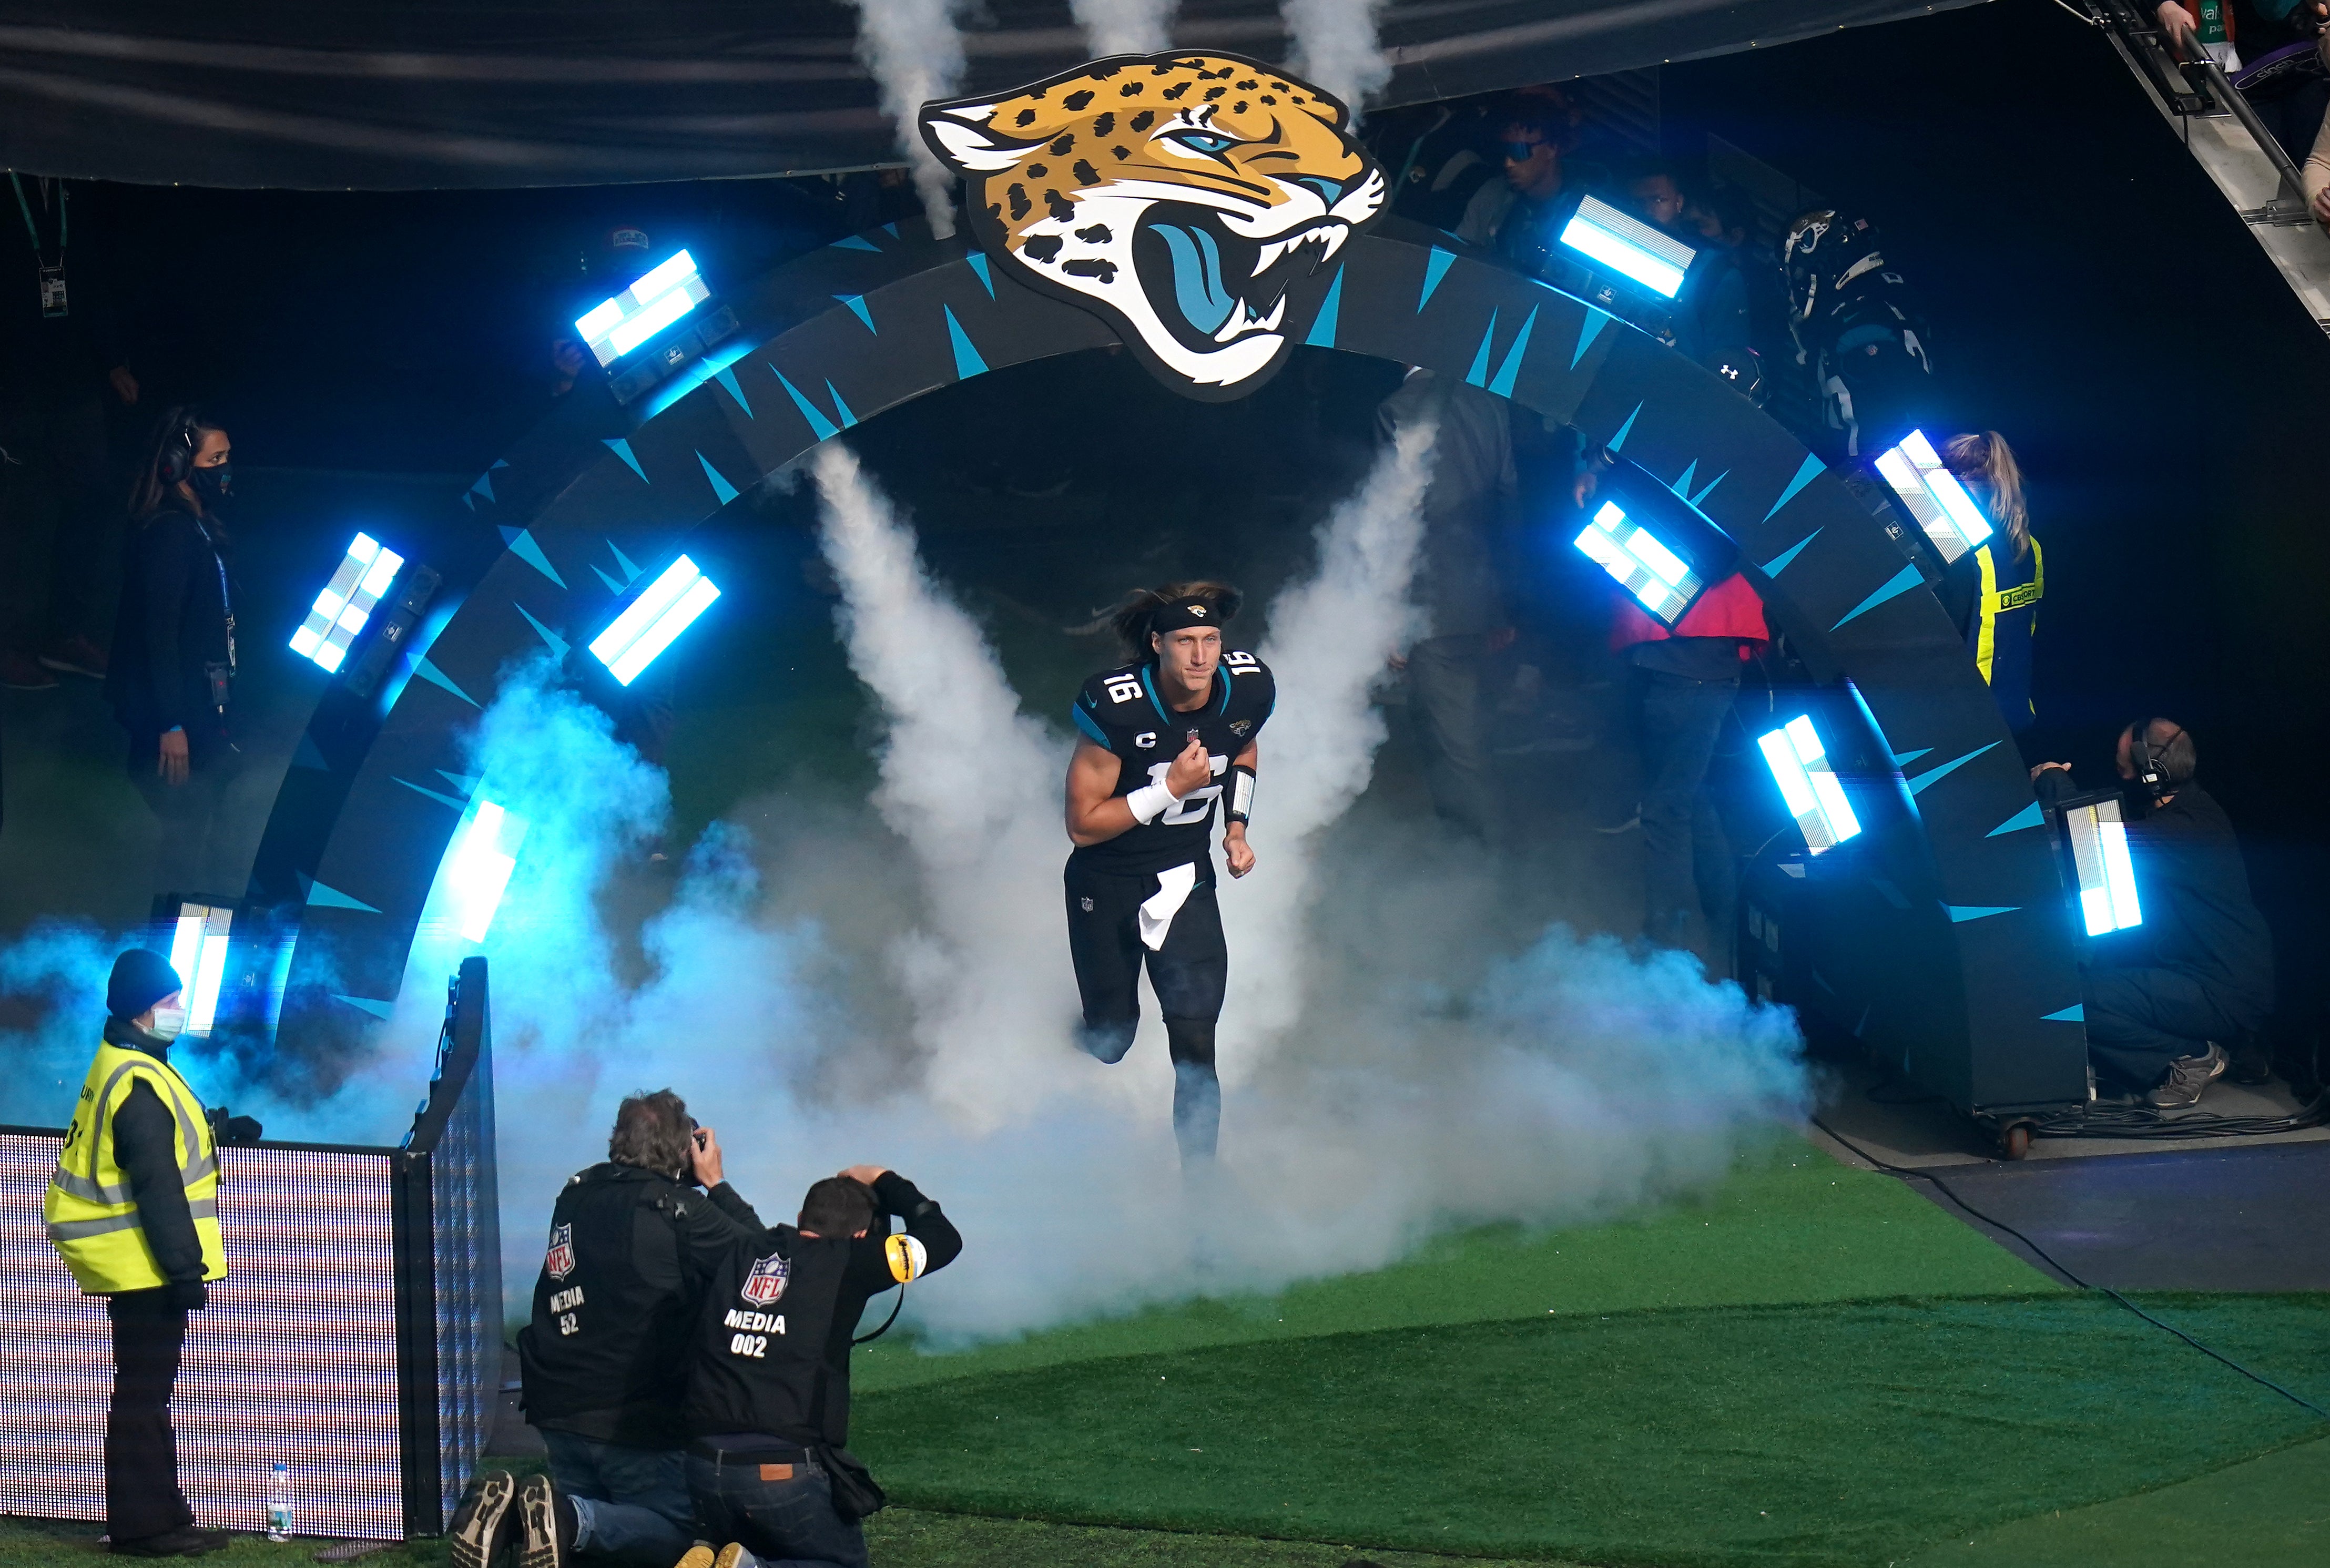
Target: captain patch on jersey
point(1122, 710)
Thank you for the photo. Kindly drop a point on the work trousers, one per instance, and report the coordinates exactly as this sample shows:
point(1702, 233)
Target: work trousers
point(2140, 1020)
point(141, 1451)
point(1690, 885)
point(632, 1502)
point(196, 852)
point(1445, 676)
point(781, 1513)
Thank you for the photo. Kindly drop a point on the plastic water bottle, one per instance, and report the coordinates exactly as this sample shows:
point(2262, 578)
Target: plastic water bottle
point(279, 1501)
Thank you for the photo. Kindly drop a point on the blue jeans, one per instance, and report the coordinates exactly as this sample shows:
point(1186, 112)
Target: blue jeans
point(632, 1502)
point(787, 1521)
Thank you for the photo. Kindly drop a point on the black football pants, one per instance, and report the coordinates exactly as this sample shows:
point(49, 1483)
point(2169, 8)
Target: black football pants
point(1189, 974)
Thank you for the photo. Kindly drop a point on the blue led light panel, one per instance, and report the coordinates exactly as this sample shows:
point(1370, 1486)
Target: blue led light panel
point(669, 605)
point(1628, 247)
point(347, 602)
point(2098, 839)
point(1800, 766)
point(1933, 496)
point(1643, 566)
point(616, 327)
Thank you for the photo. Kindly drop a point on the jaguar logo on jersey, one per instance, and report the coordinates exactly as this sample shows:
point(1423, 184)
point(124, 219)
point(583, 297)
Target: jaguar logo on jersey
point(1193, 201)
point(1240, 726)
point(766, 1282)
point(559, 1261)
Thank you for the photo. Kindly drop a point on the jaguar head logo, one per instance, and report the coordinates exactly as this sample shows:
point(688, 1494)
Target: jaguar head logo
point(1192, 199)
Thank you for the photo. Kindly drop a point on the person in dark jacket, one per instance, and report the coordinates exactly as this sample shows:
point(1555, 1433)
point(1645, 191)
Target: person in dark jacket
point(768, 1395)
point(2163, 998)
point(173, 668)
point(133, 1211)
point(604, 1357)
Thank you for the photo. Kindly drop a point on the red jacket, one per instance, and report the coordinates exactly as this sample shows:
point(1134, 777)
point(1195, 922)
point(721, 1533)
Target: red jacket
point(1729, 608)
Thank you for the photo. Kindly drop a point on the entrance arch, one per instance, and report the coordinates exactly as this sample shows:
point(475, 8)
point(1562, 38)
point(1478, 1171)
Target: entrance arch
point(1949, 947)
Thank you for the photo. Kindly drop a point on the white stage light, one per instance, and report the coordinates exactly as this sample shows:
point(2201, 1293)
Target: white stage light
point(346, 603)
point(1642, 565)
point(1628, 247)
point(478, 865)
point(2098, 840)
point(1800, 766)
point(669, 605)
point(198, 946)
point(616, 327)
point(1933, 496)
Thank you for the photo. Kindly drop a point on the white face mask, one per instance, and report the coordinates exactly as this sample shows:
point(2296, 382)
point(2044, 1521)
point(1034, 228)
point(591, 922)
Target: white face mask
point(169, 1022)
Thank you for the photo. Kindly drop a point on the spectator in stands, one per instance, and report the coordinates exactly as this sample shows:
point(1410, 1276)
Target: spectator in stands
point(1993, 591)
point(1724, 219)
point(2242, 35)
point(1709, 321)
point(172, 675)
point(62, 371)
point(2163, 999)
point(2317, 172)
point(1654, 194)
point(1520, 216)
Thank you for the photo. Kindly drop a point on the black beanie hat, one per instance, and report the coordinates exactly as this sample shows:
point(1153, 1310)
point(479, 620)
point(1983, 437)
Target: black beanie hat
point(141, 978)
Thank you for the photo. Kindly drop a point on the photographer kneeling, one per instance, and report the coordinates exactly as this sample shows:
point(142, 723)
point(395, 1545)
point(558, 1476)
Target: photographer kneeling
point(631, 1251)
point(768, 1397)
point(2162, 998)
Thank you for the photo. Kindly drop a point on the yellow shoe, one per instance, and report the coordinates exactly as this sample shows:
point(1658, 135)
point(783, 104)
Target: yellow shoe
point(698, 1557)
point(732, 1556)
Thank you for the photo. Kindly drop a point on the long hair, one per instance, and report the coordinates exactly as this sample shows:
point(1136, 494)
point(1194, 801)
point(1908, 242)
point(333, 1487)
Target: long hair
point(1986, 461)
point(147, 493)
point(652, 1132)
point(1135, 615)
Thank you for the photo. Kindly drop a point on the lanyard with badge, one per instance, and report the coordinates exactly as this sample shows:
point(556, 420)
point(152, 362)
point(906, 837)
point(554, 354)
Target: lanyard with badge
point(221, 677)
point(51, 273)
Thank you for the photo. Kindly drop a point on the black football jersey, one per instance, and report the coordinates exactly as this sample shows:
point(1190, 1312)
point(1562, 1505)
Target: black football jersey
point(1122, 710)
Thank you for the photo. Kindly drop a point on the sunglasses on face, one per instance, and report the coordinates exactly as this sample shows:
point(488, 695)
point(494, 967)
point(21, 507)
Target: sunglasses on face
point(1521, 152)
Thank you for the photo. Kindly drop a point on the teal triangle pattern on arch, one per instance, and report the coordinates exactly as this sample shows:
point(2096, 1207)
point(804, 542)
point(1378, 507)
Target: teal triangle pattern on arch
point(890, 229)
point(1479, 375)
point(1961, 913)
point(726, 376)
point(1323, 327)
point(437, 677)
point(1899, 583)
point(1935, 775)
point(1681, 485)
point(484, 486)
point(857, 303)
point(608, 578)
point(623, 449)
point(2030, 816)
point(967, 360)
point(2077, 1013)
point(854, 242)
point(630, 571)
point(380, 1010)
point(1901, 757)
point(721, 488)
point(437, 795)
point(322, 897)
point(839, 407)
point(1785, 558)
point(1806, 472)
point(978, 260)
point(821, 427)
point(462, 781)
point(1596, 320)
point(1435, 267)
point(521, 545)
point(1512, 368)
point(1625, 430)
point(1709, 488)
point(557, 644)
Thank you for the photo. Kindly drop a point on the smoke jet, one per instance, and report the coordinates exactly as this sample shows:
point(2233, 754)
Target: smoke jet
point(915, 51)
point(1126, 26)
point(1335, 46)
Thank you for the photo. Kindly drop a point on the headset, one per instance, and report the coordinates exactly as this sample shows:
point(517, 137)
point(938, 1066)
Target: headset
point(2150, 770)
point(176, 459)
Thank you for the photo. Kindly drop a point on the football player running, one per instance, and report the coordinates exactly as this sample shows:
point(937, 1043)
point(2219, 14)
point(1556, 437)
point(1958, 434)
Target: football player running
point(1159, 741)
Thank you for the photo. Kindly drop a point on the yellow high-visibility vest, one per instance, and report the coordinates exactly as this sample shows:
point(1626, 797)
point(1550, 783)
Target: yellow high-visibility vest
point(1993, 603)
point(92, 1220)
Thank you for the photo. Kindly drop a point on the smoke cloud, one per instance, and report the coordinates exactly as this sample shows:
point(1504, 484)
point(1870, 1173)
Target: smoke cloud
point(888, 980)
point(1335, 46)
point(915, 51)
point(1126, 26)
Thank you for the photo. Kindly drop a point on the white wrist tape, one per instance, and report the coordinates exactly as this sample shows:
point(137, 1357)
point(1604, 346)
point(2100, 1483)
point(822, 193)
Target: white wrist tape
point(1151, 800)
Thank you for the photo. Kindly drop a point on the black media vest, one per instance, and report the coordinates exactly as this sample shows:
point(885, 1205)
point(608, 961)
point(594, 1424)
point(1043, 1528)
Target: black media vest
point(777, 1322)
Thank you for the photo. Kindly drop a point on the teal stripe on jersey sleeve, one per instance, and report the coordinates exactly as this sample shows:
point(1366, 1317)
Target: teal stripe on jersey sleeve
point(1088, 724)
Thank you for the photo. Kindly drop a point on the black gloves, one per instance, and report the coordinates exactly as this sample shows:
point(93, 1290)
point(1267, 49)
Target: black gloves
point(186, 1294)
point(236, 1131)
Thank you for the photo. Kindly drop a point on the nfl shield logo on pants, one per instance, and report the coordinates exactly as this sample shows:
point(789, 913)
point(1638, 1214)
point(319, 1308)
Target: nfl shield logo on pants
point(560, 1259)
point(766, 1282)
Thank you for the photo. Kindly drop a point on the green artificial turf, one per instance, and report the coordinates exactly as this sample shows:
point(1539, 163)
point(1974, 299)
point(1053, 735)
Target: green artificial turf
point(1834, 1436)
point(1791, 1225)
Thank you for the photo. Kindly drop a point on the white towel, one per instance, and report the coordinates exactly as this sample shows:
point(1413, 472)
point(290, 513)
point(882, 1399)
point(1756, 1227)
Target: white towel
point(1157, 913)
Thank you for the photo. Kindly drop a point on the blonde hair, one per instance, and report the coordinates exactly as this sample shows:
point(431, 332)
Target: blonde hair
point(1987, 461)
